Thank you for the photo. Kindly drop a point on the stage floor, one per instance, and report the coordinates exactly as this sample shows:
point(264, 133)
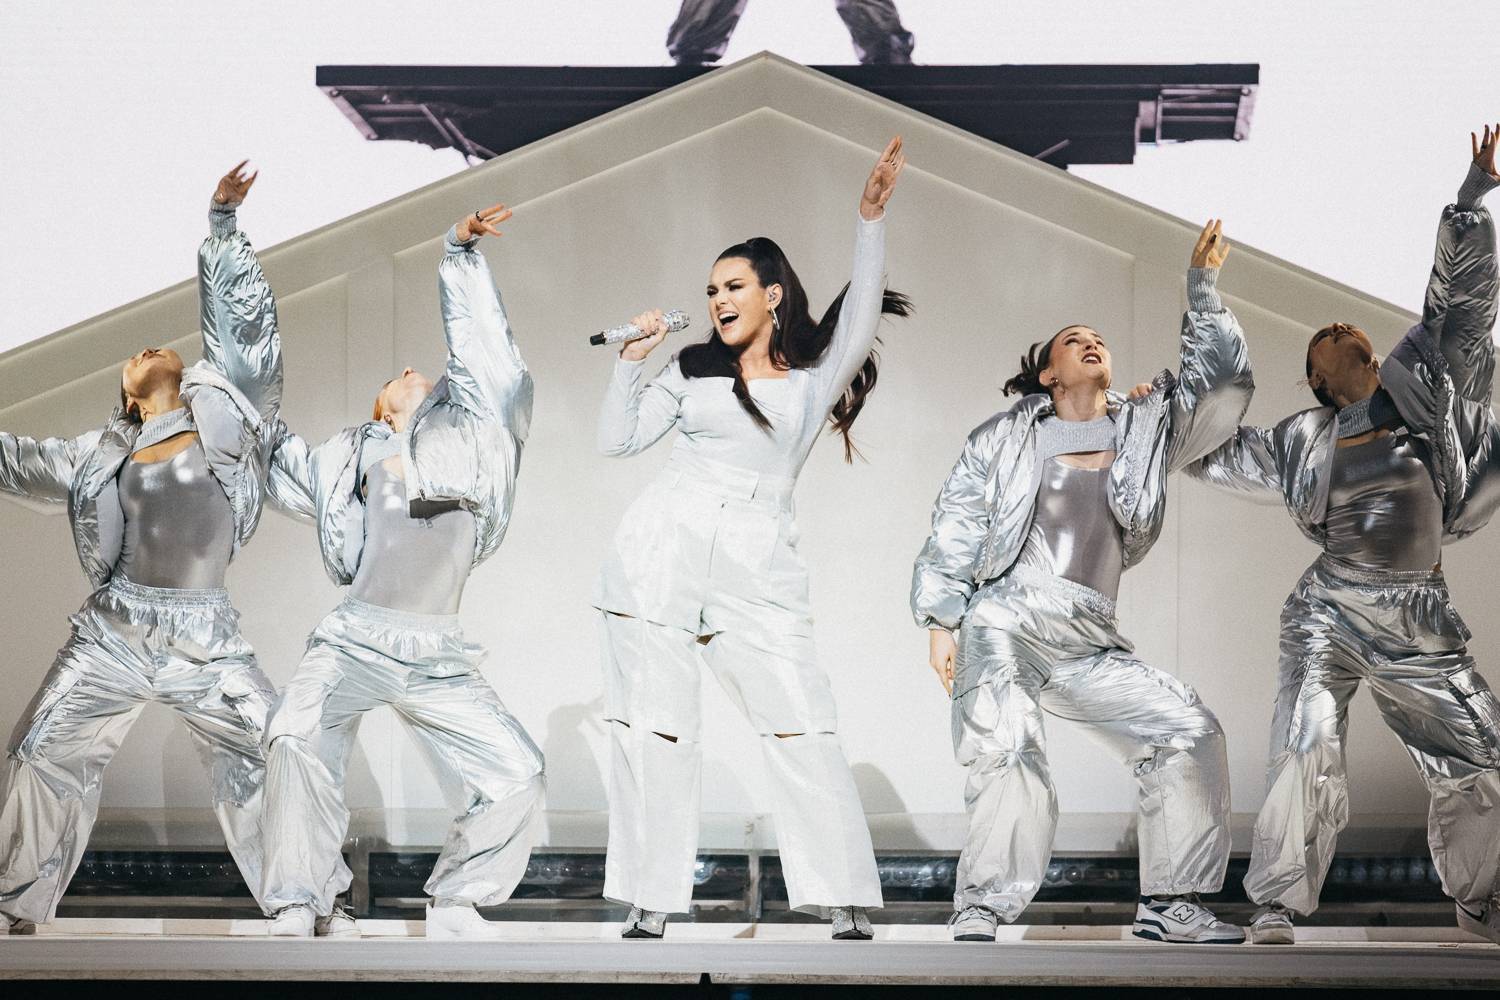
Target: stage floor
point(394, 950)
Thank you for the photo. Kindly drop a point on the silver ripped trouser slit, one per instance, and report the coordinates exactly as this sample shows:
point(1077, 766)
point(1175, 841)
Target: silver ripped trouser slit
point(361, 657)
point(1032, 643)
point(130, 645)
point(1400, 632)
point(715, 545)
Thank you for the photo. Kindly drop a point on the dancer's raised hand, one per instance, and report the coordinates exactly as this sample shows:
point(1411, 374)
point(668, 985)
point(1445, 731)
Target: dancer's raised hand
point(1484, 149)
point(1141, 391)
point(882, 181)
point(234, 185)
point(1212, 247)
point(942, 650)
point(481, 223)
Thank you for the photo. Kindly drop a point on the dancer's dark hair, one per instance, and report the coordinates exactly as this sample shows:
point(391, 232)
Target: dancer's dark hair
point(798, 342)
point(1035, 361)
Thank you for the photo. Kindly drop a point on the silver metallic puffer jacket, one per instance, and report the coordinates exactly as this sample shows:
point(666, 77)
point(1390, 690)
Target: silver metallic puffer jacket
point(984, 511)
point(239, 375)
point(464, 442)
point(1439, 376)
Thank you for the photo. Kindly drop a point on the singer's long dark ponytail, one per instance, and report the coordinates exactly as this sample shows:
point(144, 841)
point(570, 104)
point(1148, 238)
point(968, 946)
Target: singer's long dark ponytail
point(797, 343)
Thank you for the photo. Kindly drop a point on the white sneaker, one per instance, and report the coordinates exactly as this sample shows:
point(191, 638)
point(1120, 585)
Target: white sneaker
point(974, 923)
point(338, 924)
point(850, 923)
point(1272, 924)
point(292, 921)
point(1485, 924)
point(19, 926)
point(644, 924)
point(460, 920)
point(1182, 920)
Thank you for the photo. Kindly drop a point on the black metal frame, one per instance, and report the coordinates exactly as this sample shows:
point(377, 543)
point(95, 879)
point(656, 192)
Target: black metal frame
point(1063, 114)
point(1362, 890)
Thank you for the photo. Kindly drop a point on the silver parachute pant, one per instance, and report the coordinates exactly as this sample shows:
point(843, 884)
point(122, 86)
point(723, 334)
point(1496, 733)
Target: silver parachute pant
point(1400, 632)
point(130, 645)
point(717, 545)
point(361, 657)
point(701, 32)
point(1031, 644)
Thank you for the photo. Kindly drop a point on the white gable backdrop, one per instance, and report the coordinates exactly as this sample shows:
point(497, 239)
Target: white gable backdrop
point(628, 212)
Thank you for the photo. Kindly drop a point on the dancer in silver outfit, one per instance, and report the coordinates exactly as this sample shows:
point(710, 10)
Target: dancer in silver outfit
point(701, 32)
point(1374, 606)
point(1048, 503)
point(160, 500)
point(406, 506)
point(706, 559)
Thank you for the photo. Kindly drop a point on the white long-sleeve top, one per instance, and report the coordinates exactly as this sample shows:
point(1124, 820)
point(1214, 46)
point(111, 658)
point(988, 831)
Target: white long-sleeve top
point(712, 422)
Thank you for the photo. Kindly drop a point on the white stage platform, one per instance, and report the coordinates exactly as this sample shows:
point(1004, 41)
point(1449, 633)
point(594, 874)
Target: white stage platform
point(394, 950)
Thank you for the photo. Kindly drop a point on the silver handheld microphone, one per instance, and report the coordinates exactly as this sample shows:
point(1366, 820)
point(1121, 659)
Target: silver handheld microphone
point(676, 320)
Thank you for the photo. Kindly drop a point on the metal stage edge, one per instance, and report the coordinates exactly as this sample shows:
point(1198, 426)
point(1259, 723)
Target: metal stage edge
point(542, 951)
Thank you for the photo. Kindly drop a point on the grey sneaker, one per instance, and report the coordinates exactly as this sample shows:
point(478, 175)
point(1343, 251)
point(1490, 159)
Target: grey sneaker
point(1272, 924)
point(19, 926)
point(1485, 924)
point(1182, 920)
point(644, 924)
point(850, 923)
point(974, 923)
point(338, 924)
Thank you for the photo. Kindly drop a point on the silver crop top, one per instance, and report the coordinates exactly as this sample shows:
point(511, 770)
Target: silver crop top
point(179, 527)
point(1073, 533)
point(417, 558)
point(1383, 509)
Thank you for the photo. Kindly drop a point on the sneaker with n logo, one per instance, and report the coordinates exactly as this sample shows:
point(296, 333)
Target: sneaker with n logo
point(1182, 920)
point(1485, 923)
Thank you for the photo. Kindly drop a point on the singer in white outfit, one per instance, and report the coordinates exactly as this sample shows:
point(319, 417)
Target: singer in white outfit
point(705, 561)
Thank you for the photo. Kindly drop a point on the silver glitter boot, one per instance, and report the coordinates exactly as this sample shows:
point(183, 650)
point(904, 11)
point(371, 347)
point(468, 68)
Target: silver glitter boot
point(851, 923)
point(644, 924)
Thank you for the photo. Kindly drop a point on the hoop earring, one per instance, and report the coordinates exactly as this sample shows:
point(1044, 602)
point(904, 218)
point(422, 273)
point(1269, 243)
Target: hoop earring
point(775, 320)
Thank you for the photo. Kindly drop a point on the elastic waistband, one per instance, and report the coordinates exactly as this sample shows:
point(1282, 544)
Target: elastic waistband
point(414, 620)
point(123, 589)
point(731, 482)
point(1075, 592)
point(1360, 576)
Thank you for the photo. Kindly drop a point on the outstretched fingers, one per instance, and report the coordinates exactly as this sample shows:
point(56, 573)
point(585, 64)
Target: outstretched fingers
point(1204, 238)
point(1484, 147)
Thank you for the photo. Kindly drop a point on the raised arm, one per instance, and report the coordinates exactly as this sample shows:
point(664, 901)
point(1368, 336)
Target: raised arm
point(38, 472)
point(1245, 465)
point(942, 578)
point(1214, 384)
point(486, 374)
point(1464, 286)
point(860, 308)
point(290, 484)
point(236, 308)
